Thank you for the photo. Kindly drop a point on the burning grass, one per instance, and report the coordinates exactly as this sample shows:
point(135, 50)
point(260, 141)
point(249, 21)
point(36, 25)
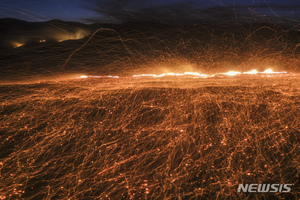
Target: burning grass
point(149, 138)
point(150, 126)
point(138, 48)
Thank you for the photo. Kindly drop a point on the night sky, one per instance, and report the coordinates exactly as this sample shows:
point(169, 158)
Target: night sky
point(166, 11)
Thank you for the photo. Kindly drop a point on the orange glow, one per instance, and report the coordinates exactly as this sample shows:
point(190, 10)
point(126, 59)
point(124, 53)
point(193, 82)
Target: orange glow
point(84, 76)
point(17, 44)
point(194, 74)
point(231, 73)
point(173, 74)
point(60, 37)
point(268, 71)
point(254, 71)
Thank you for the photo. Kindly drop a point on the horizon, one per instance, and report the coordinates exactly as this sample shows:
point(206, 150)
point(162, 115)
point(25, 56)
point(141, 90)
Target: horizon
point(287, 24)
point(167, 11)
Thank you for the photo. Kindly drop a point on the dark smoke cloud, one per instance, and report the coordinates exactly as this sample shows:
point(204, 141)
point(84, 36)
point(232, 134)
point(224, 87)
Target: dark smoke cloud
point(189, 12)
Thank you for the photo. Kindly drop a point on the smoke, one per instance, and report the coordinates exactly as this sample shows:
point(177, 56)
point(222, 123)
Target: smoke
point(16, 33)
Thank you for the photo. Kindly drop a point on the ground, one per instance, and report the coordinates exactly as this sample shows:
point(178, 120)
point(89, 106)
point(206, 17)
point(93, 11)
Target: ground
point(149, 138)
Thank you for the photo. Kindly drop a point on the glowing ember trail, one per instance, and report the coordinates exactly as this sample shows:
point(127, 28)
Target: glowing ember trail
point(149, 136)
point(195, 74)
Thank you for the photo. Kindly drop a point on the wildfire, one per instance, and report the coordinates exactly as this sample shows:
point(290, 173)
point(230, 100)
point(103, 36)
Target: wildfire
point(268, 71)
point(17, 44)
point(195, 74)
point(231, 73)
point(60, 37)
point(254, 71)
point(173, 74)
point(84, 76)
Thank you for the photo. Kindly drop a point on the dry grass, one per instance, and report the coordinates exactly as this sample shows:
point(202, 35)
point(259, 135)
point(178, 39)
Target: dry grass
point(149, 138)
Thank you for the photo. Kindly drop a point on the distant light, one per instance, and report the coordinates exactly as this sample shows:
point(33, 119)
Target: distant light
point(83, 76)
point(269, 71)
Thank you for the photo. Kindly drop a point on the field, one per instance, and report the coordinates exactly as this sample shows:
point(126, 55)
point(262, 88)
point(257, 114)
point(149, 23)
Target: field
point(150, 138)
point(81, 120)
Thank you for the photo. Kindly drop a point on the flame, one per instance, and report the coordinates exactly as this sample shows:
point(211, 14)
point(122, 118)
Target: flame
point(231, 73)
point(194, 74)
point(79, 34)
point(268, 71)
point(17, 44)
point(173, 74)
point(254, 71)
point(84, 76)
